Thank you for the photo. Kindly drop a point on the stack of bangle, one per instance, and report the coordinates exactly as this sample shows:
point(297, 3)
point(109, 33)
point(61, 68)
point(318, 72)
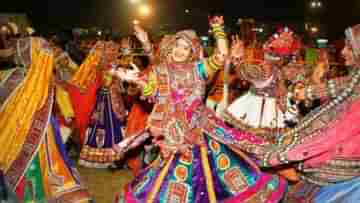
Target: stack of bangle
point(218, 31)
point(150, 86)
point(107, 78)
point(331, 88)
point(213, 64)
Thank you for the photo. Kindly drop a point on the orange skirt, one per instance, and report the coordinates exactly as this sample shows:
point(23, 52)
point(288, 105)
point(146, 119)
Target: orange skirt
point(135, 124)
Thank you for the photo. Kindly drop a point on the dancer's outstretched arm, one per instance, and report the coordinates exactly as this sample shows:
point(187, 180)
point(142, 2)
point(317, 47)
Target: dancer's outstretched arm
point(217, 60)
point(143, 37)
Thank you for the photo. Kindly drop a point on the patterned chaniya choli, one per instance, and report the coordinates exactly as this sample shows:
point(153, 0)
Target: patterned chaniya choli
point(86, 82)
point(198, 162)
point(33, 156)
point(265, 108)
point(106, 126)
point(324, 145)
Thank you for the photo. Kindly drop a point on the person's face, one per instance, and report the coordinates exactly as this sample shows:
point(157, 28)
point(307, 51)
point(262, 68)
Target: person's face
point(268, 69)
point(347, 54)
point(181, 51)
point(125, 43)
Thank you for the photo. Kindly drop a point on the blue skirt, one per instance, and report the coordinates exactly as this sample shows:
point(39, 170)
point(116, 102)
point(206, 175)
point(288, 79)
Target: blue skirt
point(345, 192)
point(104, 131)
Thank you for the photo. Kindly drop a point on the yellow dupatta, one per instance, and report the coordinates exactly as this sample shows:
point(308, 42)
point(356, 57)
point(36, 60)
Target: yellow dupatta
point(16, 115)
point(87, 72)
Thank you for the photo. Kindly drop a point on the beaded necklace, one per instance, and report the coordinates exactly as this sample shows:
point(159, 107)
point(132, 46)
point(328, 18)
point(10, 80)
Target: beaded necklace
point(294, 133)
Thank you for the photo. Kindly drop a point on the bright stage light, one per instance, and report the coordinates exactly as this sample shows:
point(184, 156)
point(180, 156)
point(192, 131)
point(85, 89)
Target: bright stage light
point(316, 4)
point(313, 4)
point(144, 10)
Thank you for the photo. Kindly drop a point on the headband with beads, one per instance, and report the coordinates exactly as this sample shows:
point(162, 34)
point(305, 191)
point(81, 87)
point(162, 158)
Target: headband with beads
point(284, 43)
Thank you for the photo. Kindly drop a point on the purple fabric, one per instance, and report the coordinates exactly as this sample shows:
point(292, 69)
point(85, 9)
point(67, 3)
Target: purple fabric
point(111, 124)
point(149, 186)
point(165, 183)
point(198, 179)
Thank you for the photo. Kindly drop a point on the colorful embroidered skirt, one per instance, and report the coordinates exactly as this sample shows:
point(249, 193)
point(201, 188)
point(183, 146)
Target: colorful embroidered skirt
point(104, 132)
point(210, 173)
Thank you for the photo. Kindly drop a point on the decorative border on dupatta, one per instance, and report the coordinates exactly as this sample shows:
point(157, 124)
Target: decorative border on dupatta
point(32, 142)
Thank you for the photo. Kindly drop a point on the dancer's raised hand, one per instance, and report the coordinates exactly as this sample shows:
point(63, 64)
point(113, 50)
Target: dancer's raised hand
point(216, 21)
point(237, 50)
point(141, 34)
point(127, 75)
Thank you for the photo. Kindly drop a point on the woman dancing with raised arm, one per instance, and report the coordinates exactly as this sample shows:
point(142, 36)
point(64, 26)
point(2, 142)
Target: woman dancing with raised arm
point(198, 162)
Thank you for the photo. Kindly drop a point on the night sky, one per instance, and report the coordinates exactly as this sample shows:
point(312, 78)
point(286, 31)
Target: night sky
point(118, 14)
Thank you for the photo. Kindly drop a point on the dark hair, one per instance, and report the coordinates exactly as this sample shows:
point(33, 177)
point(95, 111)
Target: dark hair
point(62, 38)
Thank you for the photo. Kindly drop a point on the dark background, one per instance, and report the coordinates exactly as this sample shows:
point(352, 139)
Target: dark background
point(118, 14)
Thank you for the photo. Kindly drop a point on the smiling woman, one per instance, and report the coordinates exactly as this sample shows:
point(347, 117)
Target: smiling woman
point(181, 51)
point(197, 161)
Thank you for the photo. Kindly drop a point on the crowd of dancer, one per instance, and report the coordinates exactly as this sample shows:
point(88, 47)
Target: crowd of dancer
point(237, 122)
